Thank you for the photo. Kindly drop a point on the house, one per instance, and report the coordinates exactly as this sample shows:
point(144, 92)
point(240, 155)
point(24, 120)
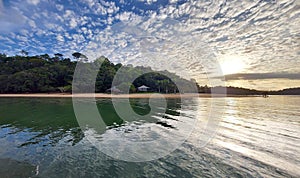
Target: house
point(114, 90)
point(143, 88)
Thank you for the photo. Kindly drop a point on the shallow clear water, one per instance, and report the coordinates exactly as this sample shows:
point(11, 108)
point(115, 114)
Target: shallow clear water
point(256, 137)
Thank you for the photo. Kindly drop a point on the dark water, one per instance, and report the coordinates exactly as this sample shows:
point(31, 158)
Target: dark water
point(257, 137)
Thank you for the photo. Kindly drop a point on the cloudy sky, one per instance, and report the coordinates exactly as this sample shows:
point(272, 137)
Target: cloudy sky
point(256, 44)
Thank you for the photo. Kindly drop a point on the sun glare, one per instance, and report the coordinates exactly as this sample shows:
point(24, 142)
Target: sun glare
point(232, 64)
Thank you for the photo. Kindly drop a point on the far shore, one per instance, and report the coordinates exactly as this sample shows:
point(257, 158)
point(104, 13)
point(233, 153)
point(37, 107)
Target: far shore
point(105, 95)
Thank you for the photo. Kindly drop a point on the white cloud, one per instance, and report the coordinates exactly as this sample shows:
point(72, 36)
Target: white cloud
point(24, 32)
point(50, 26)
point(59, 18)
point(230, 34)
point(265, 33)
point(78, 38)
point(84, 20)
point(32, 24)
point(68, 13)
point(73, 23)
point(90, 3)
point(60, 38)
point(33, 2)
point(22, 38)
point(124, 16)
point(173, 1)
point(84, 30)
point(11, 19)
point(148, 1)
point(8, 40)
point(40, 32)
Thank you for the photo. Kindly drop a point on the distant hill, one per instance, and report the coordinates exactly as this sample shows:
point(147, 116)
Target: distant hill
point(288, 91)
point(230, 90)
point(245, 91)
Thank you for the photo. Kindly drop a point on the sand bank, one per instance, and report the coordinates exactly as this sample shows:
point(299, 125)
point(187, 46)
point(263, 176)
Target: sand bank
point(104, 95)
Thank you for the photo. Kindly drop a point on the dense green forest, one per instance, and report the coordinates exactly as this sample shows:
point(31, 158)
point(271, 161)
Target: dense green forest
point(45, 74)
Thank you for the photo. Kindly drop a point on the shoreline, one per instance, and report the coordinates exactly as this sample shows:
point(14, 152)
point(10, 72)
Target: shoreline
point(133, 95)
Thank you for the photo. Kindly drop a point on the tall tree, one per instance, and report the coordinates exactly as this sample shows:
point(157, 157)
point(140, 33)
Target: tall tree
point(58, 56)
point(45, 57)
point(24, 53)
point(76, 55)
point(83, 58)
point(80, 57)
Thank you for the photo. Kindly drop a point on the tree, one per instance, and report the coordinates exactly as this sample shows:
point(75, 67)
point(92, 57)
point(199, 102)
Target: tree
point(58, 56)
point(83, 58)
point(80, 57)
point(24, 53)
point(45, 57)
point(2, 55)
point(76, 55)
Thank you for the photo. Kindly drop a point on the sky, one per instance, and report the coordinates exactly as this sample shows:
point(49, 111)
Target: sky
point(253, 44)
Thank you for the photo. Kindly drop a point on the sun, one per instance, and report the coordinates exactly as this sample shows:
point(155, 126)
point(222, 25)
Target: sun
point(232, 64)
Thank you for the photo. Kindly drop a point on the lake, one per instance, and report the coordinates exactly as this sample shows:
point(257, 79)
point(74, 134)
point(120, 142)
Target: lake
point(255, 137)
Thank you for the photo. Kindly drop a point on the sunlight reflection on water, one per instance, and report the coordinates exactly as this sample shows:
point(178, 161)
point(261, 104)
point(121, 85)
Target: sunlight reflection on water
point(257, 137)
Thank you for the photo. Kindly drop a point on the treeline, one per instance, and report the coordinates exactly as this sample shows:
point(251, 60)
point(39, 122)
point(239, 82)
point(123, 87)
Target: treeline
point(245, 91)
point(230, 90)
point(45, 74)
point(288, 91)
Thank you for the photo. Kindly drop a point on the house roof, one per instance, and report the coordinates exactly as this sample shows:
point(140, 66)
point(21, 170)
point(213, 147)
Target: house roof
point(143, 86)
point(114, 89)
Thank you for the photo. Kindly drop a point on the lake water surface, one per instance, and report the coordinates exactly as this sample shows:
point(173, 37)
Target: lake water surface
point(256, 137)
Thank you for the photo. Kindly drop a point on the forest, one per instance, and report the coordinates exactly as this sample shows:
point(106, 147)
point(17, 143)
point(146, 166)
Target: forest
point(45, 74)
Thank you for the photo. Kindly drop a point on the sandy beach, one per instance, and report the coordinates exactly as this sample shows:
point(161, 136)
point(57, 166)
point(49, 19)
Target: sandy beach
point(101, 95)
point(104, 95)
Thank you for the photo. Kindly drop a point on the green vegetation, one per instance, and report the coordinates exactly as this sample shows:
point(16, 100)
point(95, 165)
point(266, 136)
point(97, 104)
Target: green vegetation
point(45, 74)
